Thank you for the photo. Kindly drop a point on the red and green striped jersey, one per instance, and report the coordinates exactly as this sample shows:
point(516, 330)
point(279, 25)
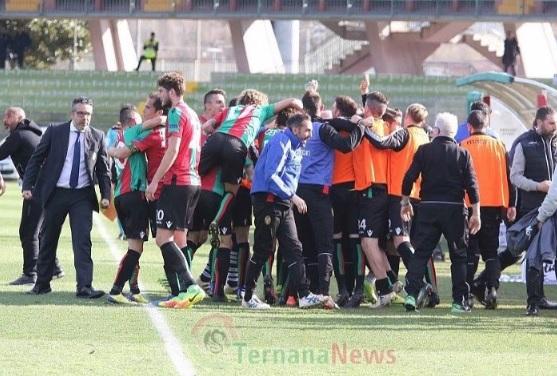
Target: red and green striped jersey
point(212, 182)
point(154, 147)
point(183, 122)
point(134, 174)
point(244, 122)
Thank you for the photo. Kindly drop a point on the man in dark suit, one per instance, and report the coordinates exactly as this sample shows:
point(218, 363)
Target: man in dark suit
point(62, 173)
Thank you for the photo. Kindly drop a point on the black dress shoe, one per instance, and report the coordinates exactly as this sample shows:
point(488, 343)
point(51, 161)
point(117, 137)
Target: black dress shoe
point(545, 303)
point(532, 310)
point(39, 289)
point(89, 293)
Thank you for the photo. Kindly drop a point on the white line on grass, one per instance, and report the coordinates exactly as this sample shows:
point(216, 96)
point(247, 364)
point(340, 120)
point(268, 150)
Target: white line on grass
point(173, 347)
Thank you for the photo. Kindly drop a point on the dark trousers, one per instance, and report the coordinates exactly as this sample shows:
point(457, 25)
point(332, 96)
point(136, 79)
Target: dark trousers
point(315, 229)
point(534, 280)
point(486, 243)
point(29, 234)
point(275, 220)
point(77, 203)
point(430, 222)
point(153, 62)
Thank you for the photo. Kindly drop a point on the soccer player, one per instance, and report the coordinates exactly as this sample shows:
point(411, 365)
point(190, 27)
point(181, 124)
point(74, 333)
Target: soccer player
point(132, 209)
point(139, 141)
point(315, 227)
point(489, 157)
point(235, 130)
point(241, 220)
point(347, 258)
point(274, 192)
point(370, 166)
point(214, 101)
point(447, 173)
point(180, 192)
point(403, 144)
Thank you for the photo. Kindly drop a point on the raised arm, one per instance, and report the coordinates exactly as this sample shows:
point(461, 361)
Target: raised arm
point(290, 102)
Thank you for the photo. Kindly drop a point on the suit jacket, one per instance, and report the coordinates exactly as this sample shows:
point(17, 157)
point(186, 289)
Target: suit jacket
point(46, 163)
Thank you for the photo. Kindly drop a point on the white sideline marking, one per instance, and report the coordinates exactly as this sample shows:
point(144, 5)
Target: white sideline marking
point(173, 347)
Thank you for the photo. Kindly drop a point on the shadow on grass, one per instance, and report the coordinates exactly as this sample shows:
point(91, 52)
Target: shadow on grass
point(20, 298)
point(395, 319)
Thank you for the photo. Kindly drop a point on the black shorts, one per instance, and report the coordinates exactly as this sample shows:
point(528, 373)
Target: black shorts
point(176, 206)
point(227, 152)
point(345, 208)
point(397, 227)
point(206, 209)
point(153, 217)
point(373, 218)
point(133, 214)
point(241, 208)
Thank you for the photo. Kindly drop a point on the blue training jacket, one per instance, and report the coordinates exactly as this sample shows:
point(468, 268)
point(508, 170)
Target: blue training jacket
point(318, 159)
point(278, 168)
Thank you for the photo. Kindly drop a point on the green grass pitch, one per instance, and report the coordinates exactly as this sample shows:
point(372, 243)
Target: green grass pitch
point(58, 334)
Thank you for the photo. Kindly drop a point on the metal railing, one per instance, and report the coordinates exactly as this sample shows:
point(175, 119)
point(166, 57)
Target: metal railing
point(330, 52)
point(423, 10)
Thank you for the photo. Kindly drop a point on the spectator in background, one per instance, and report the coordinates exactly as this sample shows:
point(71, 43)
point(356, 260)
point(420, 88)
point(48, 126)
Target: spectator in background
point(4, 43)
point(19, 44)
point(150, 50)
point(510, 53)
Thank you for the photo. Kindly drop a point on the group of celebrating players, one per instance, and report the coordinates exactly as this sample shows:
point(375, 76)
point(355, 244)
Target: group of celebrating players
point(330, 192)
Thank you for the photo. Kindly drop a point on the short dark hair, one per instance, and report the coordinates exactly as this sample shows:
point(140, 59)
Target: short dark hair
point(377, 102)
point(311, 102)
point(156, 101)
point(126, 113)
point(82, 100)
point(233, 102)
point(284, 115)
point(346, 105)
point(297, 119)
point(477, 119)
point(376, 96)
point(542, 113)
point(213, 92)
point(173, 80)
point(481, 106)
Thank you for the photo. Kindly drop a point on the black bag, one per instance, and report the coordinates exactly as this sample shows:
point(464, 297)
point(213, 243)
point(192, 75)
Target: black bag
point(520, 234)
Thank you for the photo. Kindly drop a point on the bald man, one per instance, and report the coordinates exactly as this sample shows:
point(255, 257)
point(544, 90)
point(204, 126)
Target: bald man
point(20, 145)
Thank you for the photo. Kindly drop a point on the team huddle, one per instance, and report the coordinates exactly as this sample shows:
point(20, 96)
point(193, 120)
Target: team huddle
point(350, 192)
